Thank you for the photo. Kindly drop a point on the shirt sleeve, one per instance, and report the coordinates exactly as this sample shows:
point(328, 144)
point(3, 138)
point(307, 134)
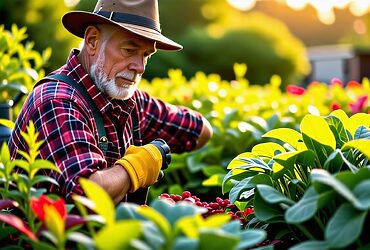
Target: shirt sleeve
point(179, 126)
point(69, 142)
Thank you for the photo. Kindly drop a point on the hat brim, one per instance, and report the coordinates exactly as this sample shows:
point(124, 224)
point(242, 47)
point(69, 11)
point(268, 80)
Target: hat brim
point(76, 22)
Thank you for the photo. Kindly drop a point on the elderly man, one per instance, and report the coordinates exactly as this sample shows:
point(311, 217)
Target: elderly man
point(94, 120)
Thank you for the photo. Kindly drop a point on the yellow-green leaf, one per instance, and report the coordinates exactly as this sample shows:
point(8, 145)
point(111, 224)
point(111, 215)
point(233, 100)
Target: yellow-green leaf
point(359, 119)
point(268, 149)
point(236, 162)
point(117, 236)
point(316, 128)
point(342, 116)
point(156, 217)
point(363, 145)
point(54, 222)
point(288, 135)
point(104, 205)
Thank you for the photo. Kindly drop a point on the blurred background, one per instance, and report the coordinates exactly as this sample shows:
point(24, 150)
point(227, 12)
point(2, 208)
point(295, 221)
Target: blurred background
point(299, 40)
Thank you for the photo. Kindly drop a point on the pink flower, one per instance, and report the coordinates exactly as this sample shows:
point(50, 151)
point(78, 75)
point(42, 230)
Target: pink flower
point(295, 90)
point(336, 82)
point(357, 106)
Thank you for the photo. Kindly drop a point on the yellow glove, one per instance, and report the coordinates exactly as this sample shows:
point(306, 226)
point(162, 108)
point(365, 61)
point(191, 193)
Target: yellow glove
point(142, 164)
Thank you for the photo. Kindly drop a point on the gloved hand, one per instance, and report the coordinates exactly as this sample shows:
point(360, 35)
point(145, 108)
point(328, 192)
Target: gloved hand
point(143, 163)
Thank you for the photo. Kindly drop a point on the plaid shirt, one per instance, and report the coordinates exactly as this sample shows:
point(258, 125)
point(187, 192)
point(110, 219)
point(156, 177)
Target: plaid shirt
point(66, 124)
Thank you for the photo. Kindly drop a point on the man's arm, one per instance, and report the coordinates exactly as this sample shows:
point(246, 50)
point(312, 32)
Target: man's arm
point(205, 134)
point(114, 180)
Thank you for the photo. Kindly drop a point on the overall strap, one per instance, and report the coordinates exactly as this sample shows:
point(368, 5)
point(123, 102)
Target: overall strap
point(103, 139)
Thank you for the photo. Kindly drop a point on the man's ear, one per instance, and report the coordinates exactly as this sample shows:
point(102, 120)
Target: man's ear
point(91, 39)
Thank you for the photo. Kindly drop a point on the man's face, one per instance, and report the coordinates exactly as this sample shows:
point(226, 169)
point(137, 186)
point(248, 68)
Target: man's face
point(120, 63)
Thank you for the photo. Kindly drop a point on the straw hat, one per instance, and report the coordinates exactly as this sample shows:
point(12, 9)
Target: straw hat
point(138, 16)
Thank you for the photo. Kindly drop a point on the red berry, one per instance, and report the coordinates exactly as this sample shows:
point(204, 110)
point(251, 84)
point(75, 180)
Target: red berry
point(186, 194)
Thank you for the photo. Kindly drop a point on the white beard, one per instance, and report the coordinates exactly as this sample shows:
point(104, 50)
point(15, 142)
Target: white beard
point(115, 91)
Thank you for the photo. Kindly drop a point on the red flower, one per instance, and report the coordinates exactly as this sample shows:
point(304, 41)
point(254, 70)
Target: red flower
point(335, 106)
point(336, 81)
point(353, 84)
point(295, 90)
point(38, 206)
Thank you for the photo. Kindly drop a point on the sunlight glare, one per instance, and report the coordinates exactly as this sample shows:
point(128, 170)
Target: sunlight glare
point(242, 4)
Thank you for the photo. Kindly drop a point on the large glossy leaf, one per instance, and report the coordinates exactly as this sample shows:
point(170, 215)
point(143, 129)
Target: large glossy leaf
point(185, 243)
point(272, 196)
point(118, 235)
point(254, 164)
point(311, 245)
point(157, 218)
point(251, 237)
point(363, 145)
point(217, 239)
point(306, 158)
point(307, 206)
point(362, 132)
point(287, 135)
point(267, 212)
point(342, 116)
point(362, 192)
point(268, 149)
point(245, 188)
point(345, 226)
point(104, 205)
point(322, 176)
point(339, 132)
point(334, 162)
point(359, 119)
point(174, 212)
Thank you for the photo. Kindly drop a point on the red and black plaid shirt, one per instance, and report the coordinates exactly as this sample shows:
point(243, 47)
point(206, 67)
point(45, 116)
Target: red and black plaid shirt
point(66, 124)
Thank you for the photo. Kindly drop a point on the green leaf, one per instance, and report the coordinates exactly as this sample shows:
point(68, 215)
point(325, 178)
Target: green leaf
point(362, 132)
point(289, 159)
point(317, 136)
point(307, 206)
point(214, 180)
point(157, 218)
point(290, 136)
point(363, 145)
point(217, 239)
point(264, 211)
point(322, 176)
point(39, 164)
point(251, 237)
point(117, 236)
point(362, 192)
point(182, 243)
point(345, 226)
point(311, 245)
point(334, 162)
point(104, 205)
point(43, 178)
point(339, 132)
point(272, 196)
point(174, 212)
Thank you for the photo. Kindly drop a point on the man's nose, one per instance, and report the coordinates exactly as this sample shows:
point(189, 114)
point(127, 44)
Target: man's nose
point(138, 64)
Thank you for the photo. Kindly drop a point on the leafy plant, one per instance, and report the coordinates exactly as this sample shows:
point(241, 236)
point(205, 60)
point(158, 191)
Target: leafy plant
point(20, 64)
point(280, 179)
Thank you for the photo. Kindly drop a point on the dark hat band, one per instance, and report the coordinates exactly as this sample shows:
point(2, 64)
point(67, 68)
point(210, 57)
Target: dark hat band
point(130, 19)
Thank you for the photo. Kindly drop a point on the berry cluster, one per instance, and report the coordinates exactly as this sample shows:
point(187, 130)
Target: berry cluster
point(220, 206)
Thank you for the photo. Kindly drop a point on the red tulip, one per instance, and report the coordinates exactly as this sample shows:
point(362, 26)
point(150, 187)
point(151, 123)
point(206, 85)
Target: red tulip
point(295, 90)
point(38, 206)
point(353, 84)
